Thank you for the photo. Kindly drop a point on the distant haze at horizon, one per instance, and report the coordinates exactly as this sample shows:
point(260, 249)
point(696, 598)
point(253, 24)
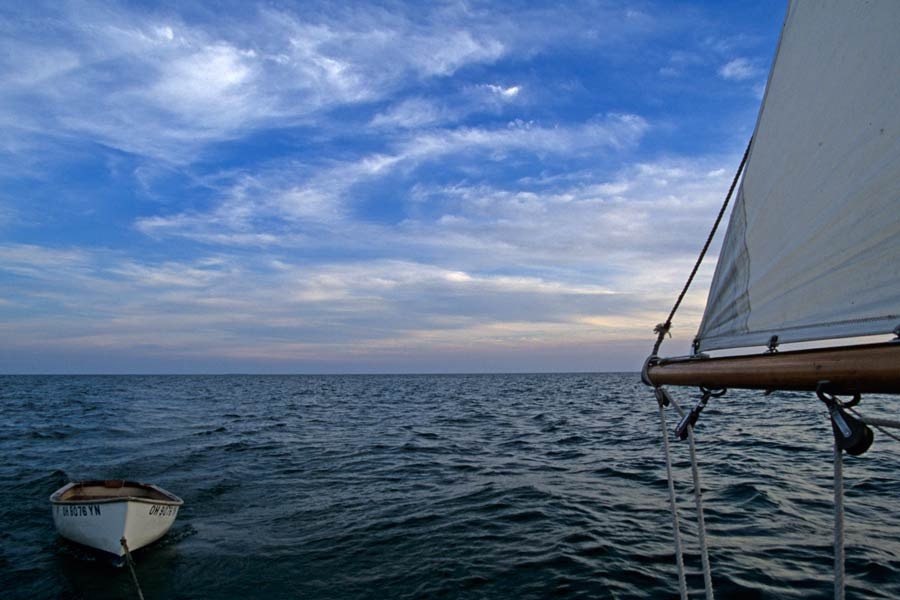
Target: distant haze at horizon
point(568, 361)
point(353, 188)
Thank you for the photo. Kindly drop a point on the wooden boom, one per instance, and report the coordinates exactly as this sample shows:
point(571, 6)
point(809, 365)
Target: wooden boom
point(870, 368)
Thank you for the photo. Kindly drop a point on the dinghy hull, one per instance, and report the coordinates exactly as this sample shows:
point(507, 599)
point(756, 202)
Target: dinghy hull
point(99, 514)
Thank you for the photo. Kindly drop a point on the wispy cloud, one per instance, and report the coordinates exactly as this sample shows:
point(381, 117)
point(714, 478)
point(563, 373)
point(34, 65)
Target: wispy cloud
point(680, 62)
point(507, 93)
point(600, 257)
point(404, 184)
point(412, 113)
point(739, 69)
point(244, 216)
point(372, 302)
point(163, 87)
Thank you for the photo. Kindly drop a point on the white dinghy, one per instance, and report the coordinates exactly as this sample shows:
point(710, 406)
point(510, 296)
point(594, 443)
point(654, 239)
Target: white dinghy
point(101, 514)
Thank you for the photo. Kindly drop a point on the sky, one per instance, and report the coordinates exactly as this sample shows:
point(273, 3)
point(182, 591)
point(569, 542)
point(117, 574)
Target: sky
point(362, 187)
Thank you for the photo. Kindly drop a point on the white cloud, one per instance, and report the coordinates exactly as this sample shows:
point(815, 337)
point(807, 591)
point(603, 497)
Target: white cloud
point(159, 86)
point(412, 113)
point(598, 261)
point(504, 92)
point(172, 274)
point(445, 53)
point(32, 260)
point(206, 81)
point(635, 234)
point(336, 181)
point(616, 131)
point(653, 208)
point(165, 32)
point(739, 69)
point(296, 198)
point(165, 88)
point(681, 61)
point(194, 306)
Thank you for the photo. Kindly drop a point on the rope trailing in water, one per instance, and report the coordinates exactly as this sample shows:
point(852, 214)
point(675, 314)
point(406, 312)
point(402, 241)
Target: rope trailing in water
point(662, 400)
point(838, 521)
point(663, 328)
point(130, 562)
point(698, 502)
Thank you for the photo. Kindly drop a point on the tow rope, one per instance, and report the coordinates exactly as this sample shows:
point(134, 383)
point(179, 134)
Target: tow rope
point(130, 562)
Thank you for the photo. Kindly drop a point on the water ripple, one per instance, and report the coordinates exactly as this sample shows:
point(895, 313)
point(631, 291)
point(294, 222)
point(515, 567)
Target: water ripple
point(507, 486)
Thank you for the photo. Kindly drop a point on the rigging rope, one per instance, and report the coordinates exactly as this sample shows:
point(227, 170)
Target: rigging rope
point(838, 521)
point(663, 328)
point(698, 502)
point(662, 399)
point(879, 423)
point(839, 554)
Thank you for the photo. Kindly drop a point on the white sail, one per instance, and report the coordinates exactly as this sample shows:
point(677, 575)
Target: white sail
point(812, 249)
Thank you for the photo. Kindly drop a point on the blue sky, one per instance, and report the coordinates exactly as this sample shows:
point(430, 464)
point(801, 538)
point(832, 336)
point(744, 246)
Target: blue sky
point(360, 187)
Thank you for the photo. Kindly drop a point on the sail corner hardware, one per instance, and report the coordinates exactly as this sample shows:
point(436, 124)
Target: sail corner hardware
point(695, 346)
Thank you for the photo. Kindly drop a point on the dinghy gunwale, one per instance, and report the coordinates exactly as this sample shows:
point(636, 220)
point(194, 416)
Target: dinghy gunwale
point(161, 496)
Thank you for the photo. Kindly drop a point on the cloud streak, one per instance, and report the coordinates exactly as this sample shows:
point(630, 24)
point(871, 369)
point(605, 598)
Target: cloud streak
point(245, 215)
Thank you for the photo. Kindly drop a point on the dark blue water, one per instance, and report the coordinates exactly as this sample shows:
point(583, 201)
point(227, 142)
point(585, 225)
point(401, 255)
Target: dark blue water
point(488, 486)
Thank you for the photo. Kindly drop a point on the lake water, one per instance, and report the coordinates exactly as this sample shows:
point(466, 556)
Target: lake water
point(481, 486)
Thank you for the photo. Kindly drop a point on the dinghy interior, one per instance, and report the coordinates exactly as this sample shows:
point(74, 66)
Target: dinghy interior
point(110, 490)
